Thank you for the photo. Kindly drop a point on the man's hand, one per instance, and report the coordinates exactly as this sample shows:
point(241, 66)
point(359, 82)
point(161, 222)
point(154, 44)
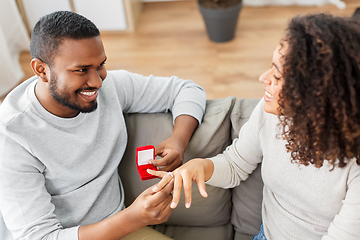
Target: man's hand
point(150, 207)
point(172, 152)
point(172, 149)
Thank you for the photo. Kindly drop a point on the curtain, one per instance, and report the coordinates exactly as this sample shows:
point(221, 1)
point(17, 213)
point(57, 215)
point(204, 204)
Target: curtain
point(13, 39)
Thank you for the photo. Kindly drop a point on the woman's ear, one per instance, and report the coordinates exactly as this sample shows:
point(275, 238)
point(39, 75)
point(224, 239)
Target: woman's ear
point(39, 68)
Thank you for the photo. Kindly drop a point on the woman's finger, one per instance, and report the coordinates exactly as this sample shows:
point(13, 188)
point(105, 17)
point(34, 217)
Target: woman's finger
point(187, 181)
point(159, 174)
point(166, 177)
point(177, 190)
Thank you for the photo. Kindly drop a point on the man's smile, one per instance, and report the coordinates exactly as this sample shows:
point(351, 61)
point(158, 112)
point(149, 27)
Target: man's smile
point(89, 95)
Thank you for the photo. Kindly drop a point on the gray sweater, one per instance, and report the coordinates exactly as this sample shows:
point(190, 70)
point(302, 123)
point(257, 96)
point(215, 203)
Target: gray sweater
point(299, 202)
point(58, 173)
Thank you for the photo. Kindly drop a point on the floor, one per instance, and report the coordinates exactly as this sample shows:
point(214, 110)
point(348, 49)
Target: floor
point(170, 39)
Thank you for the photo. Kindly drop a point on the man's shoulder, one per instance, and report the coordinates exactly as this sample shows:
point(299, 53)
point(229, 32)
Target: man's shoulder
point(120, 80)
point(118, 73)
point(16, 102)
point(122, 75)
point(116, 77)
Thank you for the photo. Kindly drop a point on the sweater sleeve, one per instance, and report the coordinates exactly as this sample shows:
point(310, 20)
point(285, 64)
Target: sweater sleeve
point(25, 203)
point(242, 156)
point(346, 223)
point(151, 94)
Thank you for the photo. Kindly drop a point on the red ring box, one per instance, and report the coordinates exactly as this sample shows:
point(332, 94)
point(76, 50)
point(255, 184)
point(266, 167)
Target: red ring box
point(143, 155)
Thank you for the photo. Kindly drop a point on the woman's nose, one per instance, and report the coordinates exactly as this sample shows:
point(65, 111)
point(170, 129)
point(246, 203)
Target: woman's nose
point(265, 77)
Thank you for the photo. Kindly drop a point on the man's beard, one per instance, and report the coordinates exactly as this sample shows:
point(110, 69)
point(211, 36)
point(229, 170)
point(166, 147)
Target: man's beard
point(64, 98)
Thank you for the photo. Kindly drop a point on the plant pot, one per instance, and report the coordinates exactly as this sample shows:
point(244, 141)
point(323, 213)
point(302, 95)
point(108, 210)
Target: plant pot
point(221, 23)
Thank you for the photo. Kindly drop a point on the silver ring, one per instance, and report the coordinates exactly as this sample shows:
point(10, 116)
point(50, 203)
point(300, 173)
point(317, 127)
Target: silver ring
point(171, 174)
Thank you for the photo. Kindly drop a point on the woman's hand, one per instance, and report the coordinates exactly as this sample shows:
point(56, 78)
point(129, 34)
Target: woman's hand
point(197, 170)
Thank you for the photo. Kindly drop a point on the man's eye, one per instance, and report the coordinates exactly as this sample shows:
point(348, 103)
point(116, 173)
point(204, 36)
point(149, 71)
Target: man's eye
point(81, 70)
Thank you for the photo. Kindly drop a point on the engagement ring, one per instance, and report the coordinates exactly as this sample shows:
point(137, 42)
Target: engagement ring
point(171, 174)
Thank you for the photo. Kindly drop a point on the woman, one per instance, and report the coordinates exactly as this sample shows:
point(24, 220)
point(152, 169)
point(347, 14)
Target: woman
point(306, 133)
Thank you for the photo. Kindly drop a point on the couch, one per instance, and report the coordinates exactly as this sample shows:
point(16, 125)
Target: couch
point(226, 214)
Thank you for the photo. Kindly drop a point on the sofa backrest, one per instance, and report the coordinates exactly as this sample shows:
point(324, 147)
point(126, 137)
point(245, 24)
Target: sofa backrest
point(210, 138)
point(241, 205)
point(247, 197)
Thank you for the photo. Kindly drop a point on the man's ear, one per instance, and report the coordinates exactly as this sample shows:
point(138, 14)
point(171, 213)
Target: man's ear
point(39, 68)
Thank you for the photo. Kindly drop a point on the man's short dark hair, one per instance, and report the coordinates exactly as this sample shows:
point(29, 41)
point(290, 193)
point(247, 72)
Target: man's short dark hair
point(53, 28)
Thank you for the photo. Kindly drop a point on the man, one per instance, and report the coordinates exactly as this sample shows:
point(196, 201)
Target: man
point(62, 136)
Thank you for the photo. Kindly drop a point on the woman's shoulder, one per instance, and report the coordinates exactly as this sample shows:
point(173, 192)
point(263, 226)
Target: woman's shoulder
point(262, 118)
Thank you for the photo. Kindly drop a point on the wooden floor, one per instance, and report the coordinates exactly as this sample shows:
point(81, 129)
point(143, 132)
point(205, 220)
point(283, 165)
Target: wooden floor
point(170, 39)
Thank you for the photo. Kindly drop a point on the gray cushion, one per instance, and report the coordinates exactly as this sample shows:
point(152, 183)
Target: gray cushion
point(247, 197)
point(224, 232)
point(240, 236)
point(210, 138)
point(241, 114)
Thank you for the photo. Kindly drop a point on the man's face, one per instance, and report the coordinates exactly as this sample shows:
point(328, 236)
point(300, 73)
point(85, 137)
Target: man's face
point(63, 97)
point(76, 74)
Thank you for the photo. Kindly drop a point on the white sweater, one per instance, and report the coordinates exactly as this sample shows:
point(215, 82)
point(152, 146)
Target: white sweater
point(59, 173)
point(299, 202)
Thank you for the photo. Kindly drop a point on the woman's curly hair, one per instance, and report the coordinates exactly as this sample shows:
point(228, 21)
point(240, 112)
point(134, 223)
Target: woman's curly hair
point(320, 102)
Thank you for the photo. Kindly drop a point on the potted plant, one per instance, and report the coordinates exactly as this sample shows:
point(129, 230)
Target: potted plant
point(220, 17)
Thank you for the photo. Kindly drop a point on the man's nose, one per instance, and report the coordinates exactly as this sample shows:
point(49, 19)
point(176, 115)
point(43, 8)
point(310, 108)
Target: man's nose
point(95, 80)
